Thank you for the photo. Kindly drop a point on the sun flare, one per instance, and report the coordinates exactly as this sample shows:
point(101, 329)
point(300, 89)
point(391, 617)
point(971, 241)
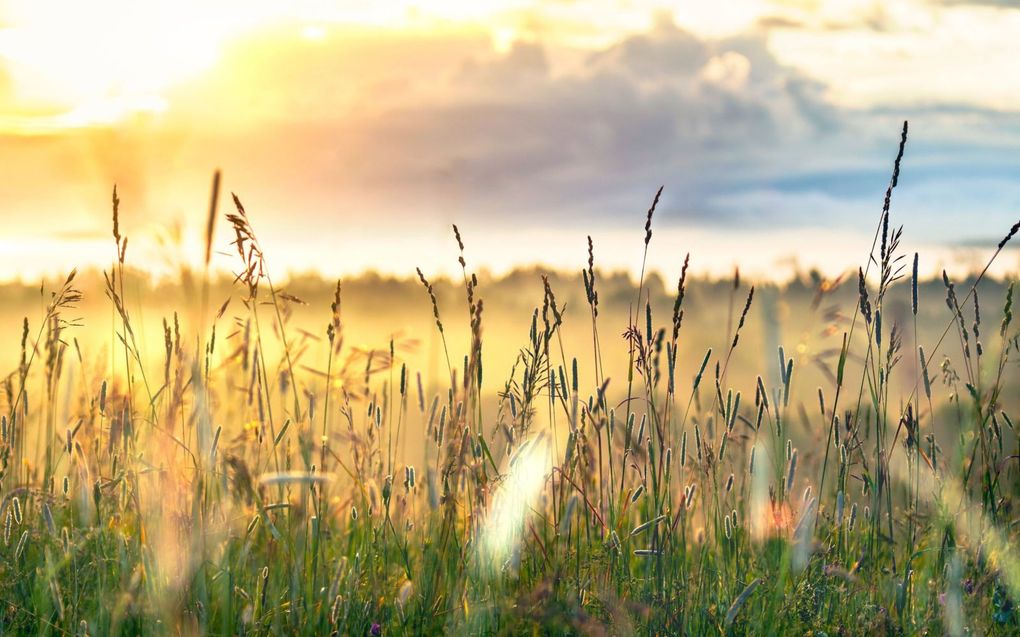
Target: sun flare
point(73, 65)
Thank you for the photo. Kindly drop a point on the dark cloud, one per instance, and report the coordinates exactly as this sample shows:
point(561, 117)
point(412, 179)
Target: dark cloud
point(662, 106)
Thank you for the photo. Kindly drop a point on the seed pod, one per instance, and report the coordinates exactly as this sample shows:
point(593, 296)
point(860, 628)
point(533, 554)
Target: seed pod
point(691, 490)
point(21, 545)
point(48, 518)
point(791, 471)
point(924, 373)
point(630, 432)
point(644, 526)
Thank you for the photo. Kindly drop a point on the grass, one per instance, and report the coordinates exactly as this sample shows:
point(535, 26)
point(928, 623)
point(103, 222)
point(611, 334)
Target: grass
point(224, 487)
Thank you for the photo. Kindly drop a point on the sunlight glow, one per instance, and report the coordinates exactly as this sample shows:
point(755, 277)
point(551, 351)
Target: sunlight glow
point(528, 469)
point(101, 61)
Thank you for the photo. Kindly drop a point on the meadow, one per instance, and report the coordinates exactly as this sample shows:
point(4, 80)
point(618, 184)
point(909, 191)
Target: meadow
point(536, 453)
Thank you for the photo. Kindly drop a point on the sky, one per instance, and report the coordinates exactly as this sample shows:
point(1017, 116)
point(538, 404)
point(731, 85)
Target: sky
point(357, 132)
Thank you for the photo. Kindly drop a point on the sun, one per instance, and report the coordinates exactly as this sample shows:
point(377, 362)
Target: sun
point(76, 64)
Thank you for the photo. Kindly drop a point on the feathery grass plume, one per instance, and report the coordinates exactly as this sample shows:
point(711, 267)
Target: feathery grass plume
point(334, 324)
point(791, 471)
point(681, 289)
point(116, 215)
point(976, 326)
point(738, 603)
point(1009, 235)
point(697, 440)
point(862, 289)
point(591, 293)
point(1007, 311)
point(743, 317)
point(637, 493)
point(913, 288)
point(651, 211)
point(924, 373)
point(701, 370)
point(21, 545)
point(549, 304)
point(691, 491)
point(210, 225)
point(954, 307)
point(644, 526)
point(894, 181)
point(432, 297)
point(248, 249)
point(119, 241)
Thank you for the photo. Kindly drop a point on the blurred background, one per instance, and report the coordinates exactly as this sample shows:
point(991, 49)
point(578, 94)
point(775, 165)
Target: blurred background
point(357, 132)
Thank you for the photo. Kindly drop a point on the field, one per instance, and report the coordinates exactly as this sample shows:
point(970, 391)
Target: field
point(538, 453)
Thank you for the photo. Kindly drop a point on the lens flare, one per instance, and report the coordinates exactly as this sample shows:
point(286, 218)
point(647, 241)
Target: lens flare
point(529, 468)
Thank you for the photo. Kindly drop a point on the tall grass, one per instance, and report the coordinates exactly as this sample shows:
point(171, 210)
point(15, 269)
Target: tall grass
point(231, 488)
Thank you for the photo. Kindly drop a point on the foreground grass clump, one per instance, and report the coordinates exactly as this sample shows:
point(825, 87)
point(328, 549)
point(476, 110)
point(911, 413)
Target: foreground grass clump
point(228, 487)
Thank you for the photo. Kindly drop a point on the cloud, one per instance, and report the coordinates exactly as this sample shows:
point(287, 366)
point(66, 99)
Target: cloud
point(512, 137)
point(357, 133)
